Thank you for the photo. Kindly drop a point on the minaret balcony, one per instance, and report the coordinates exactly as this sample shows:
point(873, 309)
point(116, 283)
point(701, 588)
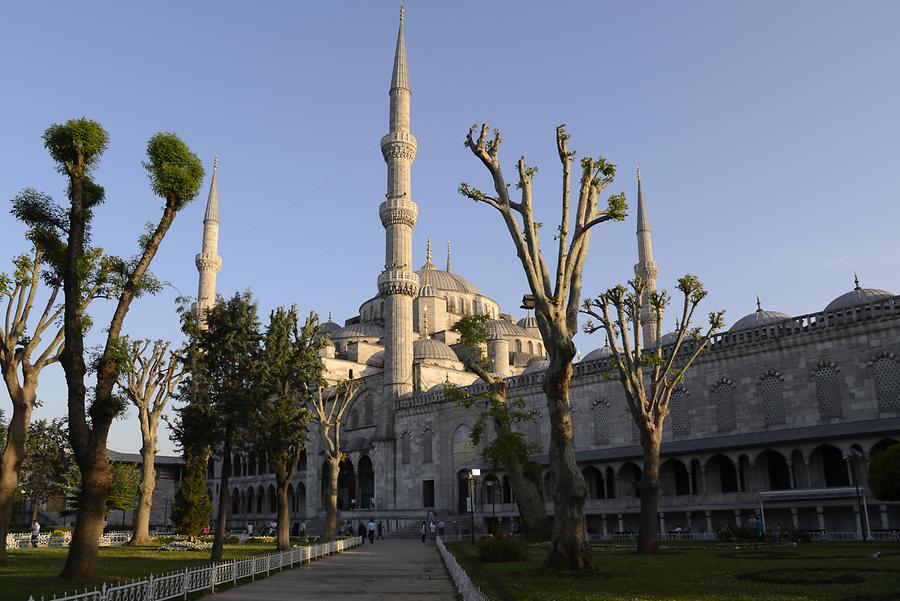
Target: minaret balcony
point(208, 262)
point(398, 210)
point(399, 144)
point(398, 281)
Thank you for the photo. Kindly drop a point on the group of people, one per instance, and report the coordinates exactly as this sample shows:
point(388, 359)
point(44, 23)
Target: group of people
point(271, 529)
point(370, 530)
point(430, 527)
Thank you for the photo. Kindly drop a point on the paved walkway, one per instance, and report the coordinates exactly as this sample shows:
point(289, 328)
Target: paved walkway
point(390, 569)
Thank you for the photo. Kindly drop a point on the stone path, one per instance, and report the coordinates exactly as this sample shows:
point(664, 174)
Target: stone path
point(388, 570)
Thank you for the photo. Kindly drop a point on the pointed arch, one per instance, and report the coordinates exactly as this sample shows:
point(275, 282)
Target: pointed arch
point(771, 390)
point(886, 373)
point(723, 400)
point(828, 390)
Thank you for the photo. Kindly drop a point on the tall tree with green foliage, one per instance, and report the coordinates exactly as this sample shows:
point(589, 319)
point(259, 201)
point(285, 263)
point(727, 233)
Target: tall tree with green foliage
point(122, 493)
point(508, 450)
point(148, 380)
point(48, 469)
point(29, 320)
point(884, 474)
point(290, 376)
point(649, 376)
point(191, 510)
point(220, 392)
point(556, 300)
point(175, 175)
point(329, 406)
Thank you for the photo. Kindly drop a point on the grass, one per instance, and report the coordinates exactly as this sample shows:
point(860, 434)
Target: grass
point(34, 571)
point(700, 572)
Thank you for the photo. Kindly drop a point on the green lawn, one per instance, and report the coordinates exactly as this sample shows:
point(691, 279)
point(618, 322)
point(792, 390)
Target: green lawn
point(34, 571)
point(701, 572)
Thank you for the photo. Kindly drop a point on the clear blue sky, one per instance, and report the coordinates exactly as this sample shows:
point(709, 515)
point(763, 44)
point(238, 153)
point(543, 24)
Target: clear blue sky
point(767, 134)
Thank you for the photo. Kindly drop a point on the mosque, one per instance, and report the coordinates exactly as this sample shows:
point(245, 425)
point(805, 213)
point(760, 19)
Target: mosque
point(780, 418)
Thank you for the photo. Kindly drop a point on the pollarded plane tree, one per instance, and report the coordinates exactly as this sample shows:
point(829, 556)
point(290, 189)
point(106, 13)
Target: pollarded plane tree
point(649, 376)
point(507, 449)
point(149, 379)
point(556, 299)
point(329, 406)
point(31, 338)
point(175, 175)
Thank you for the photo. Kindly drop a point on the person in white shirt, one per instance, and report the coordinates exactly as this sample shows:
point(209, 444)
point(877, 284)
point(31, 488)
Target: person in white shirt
point(35, 532)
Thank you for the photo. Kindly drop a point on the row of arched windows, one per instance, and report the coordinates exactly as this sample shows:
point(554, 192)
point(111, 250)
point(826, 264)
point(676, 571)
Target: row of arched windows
point(427, 446)
point(356, 419)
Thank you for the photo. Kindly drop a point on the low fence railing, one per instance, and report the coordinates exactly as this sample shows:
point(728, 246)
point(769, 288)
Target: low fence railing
point(812, 535)
point(180, 584)
point(22, 540)
point(464, 585)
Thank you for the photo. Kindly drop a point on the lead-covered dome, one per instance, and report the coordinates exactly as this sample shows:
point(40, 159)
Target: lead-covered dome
point(365, 329)
point(858, 296)
point(445, 280)
point(528, 322)
point(598, 353)
point(429, 348)
point(497, 328)
point(758, 318)
point(536, 366)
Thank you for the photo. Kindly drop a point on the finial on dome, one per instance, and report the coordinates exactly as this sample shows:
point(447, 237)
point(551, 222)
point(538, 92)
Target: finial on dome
point(856, 281)
point(329, 316)
point(428, 264)
point(448, 256)
point(401, 12)
point(758, 304)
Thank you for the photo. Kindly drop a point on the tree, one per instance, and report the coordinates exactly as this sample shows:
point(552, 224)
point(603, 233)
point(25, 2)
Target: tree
point(556, 303)
point(149, 379)
point(175, 175)
point(21, 357)
point(48, 468)
point(884, 474)
point(190, 513)
point(290, 377)
point(649, 376)
point(508, 449)
point(122, 492)
point(219, 391)
point(329, 407)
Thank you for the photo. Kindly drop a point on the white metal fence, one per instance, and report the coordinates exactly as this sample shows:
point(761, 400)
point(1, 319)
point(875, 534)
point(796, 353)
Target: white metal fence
point(180, 584)
point(812, 535)
point(467, 589)
point(22, 540)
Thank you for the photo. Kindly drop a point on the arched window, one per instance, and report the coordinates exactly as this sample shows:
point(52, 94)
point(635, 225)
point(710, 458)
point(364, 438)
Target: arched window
point(771, 390)
point(530, 348)
point(540, 349)
point(600, 421)
point(404, 448)
point(260, 496)
point(369, 410)
point(534, 433)
point(887, 382)
point(680, 412)
point(518, 346)
point(427, 444)
point(828, 390)
point(723, 400)
point(353, 421)
point(463, 449)
point(235, 502)
point(273, 506)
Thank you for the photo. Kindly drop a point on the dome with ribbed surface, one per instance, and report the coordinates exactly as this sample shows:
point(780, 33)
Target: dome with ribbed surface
point(427, 290)
point(500, 327)
point(445, 281)
point(858, 296)
point(757, 319)
point(528, 322)
point(429, 348)
point(359, 330)
point(329, 327)
point(599, 353)
point(536, 367)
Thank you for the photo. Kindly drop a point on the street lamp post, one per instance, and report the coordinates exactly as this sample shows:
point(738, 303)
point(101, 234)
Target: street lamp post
point(473, 474)
point(861, 507)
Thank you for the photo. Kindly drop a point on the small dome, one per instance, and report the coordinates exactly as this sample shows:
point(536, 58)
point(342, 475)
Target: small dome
point(359, 330)
point(858, 296)
point(497, 328)
point(329, 327)
point(429, 348)
point(427, 290)
point(537, 366)
point(669, 338)
point(528, 322)
point(376, 360)
point(758, 318)
point(600, 353)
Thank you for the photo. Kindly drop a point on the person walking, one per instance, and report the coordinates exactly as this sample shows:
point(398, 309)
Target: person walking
point(361, 531)
point(433, 528)
point(422, 531)
point(35, 533)
point(380, 530)
point(303, 528)
point(372, 532)
point(441, 527)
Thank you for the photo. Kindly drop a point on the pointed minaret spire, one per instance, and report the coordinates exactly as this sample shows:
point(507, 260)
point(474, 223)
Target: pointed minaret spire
point(646, 268)
point(400, 75)
point(208, 260)
point(448, 256)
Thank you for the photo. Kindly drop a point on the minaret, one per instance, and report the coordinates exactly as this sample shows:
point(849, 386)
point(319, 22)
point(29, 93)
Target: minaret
point(398, 284)
point(448, 256)
point(646, 268)
point(208, 261)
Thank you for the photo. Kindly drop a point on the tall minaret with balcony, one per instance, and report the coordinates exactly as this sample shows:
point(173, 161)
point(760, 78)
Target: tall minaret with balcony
point(645, 268)
point(208, 260)
point(398, 284)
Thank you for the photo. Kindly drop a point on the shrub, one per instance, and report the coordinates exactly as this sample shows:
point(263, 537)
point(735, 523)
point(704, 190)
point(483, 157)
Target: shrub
point(502, 548)
point(884, 474)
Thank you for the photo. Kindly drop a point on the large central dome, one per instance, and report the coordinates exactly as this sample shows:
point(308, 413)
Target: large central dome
point(429, 275)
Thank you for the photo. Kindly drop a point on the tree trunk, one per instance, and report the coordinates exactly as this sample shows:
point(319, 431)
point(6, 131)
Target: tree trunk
point(648, 537)
point(284, 518)
point(532, 508)
point(218, 548)
point(145, 495)
point(331, 493)
point(96, 482)
point(570, 548)
point(14, 453)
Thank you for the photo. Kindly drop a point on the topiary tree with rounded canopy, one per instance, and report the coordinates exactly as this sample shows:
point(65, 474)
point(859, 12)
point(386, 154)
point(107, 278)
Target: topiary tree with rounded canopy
point(884, 474)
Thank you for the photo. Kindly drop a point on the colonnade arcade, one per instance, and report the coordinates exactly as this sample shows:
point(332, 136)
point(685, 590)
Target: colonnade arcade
point(356, 484)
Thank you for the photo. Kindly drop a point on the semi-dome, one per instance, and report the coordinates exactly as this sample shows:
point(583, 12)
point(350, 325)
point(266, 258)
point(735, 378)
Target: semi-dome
point(376, 360)
point(427, 290)
point(528, 322)
point(429, 348)
point(365, 329)
point(536, 366)
point(858, 296)
point(500, 327)
point(758, 318)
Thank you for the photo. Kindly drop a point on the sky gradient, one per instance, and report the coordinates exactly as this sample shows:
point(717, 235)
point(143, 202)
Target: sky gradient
point(767, 135)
